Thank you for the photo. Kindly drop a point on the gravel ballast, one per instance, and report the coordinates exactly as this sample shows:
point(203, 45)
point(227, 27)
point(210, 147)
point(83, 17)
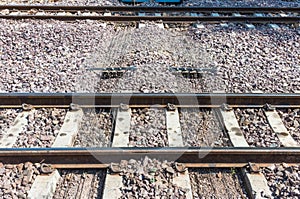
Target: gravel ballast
point(283, 180)
point(262, 59)
point(43, 126)
point(149, 178)
point(7, 118)
point(148, 128)
point(201, 128)
point(53, 56)
point(291, 120)
point(16, 180)
point(95, 129)
point(47, 56)
point(153, 50)
point(216, 183)
point(256, 128)
point(84, 183)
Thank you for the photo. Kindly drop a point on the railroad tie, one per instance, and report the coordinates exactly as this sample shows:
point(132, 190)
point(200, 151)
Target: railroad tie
point(278, 127)
point(233, 129)
point(141, 25)
point(122, 127)
point(44, 185)
point(11, 136)
point(160, 25)
point(175, 140)
point(69, 129)
point(256, 183)
point(112, 185)
point(113, 182)
point(173, 128)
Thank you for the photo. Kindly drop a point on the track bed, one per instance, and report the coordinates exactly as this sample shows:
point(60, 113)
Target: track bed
point(256, 128)
point(95, 129)
point(84, 183)
point(290, 118)
point(148, 128)
point(217, 183)
point(42, 129)
point(201, 128)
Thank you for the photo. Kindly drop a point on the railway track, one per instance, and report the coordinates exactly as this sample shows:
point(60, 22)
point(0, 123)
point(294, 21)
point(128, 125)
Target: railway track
point(251, 163)
point(165, 14)
point(150, 145)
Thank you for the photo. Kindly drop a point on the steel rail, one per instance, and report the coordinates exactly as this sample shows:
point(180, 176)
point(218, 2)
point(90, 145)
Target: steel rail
point(188, 165)
point(210, 157)
point(130, 14)
point(166, 19)
point(15, 100)
point(150, 9)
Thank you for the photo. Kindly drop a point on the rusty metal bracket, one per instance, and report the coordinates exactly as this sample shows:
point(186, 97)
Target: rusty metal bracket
point(115, 69)
point(171, 107)
point(180, 167)
point(253, 168)
point(124, 107)
point(113, 72)
point(46, 168)
point(27, 107)
point(74, 107)
point(115, 168)
point(193, 73)
point(269, 107)
point(226, 107)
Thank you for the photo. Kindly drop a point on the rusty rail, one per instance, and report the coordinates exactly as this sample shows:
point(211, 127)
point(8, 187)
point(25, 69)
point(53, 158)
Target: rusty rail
point(151, 8)
point(213, 100)
point(211, 157)
point(131, 13)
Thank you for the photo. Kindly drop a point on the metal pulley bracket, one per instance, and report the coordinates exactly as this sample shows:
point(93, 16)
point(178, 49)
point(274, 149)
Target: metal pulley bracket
point(112, 69)
point(193, 72)
point(113, 72)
